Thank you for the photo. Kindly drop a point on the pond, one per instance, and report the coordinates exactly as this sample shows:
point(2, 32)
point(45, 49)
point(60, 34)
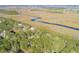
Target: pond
point(35, 19)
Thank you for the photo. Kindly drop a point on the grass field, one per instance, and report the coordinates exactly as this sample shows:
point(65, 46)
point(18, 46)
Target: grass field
point(9, 12)
point(19, 34)
point(19, 37)
point(56, 10)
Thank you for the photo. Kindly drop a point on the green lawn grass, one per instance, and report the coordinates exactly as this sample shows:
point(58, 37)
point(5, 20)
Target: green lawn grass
point(38, 41)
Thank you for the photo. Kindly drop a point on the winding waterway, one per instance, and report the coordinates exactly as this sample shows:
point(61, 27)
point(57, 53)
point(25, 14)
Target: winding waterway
point(37, 20)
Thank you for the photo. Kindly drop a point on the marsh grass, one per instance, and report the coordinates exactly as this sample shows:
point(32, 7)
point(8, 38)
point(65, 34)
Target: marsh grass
point(56, 10)
point(39, 41)
point(9, 12)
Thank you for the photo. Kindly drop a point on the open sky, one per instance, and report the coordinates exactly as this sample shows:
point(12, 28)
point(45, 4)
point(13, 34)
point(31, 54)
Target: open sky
point(41, 6)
